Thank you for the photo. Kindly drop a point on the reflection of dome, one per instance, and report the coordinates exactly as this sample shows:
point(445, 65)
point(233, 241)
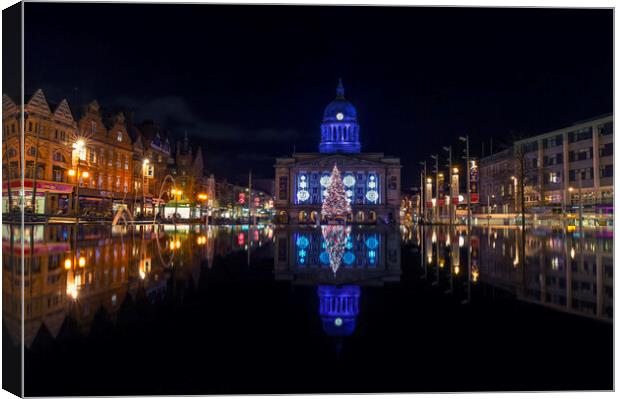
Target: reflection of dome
point(340, 131)
point(338, 308)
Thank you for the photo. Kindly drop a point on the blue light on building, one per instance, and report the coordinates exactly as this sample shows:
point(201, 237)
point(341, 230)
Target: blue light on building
point(338, 308)
point(339, 130)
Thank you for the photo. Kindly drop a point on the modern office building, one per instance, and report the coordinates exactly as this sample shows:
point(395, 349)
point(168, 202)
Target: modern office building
point(562, 169)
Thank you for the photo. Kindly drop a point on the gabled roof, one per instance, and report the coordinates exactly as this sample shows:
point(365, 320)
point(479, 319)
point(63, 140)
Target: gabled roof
point(8, 106)
point(63, 112)
point(38, 103)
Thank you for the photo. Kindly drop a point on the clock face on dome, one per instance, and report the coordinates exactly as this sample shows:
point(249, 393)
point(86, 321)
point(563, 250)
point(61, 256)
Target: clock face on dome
point(339, 116)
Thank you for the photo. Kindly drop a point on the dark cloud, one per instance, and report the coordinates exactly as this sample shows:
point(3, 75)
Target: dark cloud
point(175, 113)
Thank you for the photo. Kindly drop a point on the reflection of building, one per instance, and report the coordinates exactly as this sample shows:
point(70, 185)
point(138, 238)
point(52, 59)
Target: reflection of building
point(72, 276)
point(45, 298)
point(306, 255)
point(372, 180)
point(338, 308)
point(366, 257)
point(567, 271)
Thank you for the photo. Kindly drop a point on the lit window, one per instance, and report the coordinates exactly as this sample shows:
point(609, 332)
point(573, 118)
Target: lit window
point(119, 136)
point(554, 177)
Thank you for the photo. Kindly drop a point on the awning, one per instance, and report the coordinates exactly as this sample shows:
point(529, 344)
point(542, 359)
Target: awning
point(42, 185)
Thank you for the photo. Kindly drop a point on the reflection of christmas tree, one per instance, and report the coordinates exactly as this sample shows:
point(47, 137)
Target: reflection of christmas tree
point(335, 238)
point(335, 203)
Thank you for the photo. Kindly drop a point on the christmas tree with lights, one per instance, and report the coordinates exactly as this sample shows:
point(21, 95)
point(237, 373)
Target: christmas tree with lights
point(335, 203)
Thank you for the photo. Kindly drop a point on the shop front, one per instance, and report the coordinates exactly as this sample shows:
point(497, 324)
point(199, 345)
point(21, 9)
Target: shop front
point(147, 209)
point(180, 210)
point(50, 197)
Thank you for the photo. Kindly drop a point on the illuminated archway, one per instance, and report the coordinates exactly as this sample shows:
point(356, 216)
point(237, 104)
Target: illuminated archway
point(282, 217)
point(360, 217)
point(313, 216)
point(303, 217)
point(372, 217)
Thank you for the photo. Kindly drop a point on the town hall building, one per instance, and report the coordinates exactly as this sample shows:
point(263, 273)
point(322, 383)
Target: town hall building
point(372, 180)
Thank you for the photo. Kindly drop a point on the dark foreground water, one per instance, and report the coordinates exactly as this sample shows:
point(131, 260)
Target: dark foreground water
point(190, 310)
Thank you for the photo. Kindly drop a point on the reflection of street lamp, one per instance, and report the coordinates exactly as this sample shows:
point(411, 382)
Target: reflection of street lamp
point(514, 179)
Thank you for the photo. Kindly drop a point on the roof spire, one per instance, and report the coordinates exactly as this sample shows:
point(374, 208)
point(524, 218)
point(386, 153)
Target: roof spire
point(340, 89)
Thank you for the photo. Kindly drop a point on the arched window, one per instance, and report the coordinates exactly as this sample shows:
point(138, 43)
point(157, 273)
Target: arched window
point(12, 152)
point(32, 151)
point(58, 157)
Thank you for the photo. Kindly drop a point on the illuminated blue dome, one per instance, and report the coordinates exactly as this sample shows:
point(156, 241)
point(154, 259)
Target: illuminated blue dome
point(339, 130)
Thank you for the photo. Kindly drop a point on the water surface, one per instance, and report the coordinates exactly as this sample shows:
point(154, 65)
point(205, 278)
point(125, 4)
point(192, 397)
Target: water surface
point(196, 310)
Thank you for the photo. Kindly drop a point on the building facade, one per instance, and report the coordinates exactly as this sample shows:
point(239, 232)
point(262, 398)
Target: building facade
point(103, 162)
point(562, 169)
point(189, 181)
point(497, 191)
point(372, 180)
point(47, 155)
point(152, 156)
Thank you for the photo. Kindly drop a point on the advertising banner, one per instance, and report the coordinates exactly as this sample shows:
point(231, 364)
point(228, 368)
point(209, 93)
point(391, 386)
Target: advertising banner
point(454, 187)
point(428, 194)
point(473, 181)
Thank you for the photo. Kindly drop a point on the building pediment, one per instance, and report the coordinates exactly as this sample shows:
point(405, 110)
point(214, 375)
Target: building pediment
point(323, 161)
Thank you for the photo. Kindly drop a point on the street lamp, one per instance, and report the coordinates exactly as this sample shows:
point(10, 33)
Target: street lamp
point(78, 147)
point(449, 150)
point(145, 164)
point(202, 197)
point(468, 172)
point(422, 191)
point(514, 179)
point(78, 176)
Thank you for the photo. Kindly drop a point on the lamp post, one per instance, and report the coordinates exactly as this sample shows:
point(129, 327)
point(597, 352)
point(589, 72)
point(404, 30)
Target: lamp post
point(78, 146)
point(580, 201)
point(145, 165)
point(467, 170)
point(422, 184)
point(436, 205)
point(449, 149)
point(202, 198)
point(514, 180)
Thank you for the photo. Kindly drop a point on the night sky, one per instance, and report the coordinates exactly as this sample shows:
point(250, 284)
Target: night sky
point(251, 82)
